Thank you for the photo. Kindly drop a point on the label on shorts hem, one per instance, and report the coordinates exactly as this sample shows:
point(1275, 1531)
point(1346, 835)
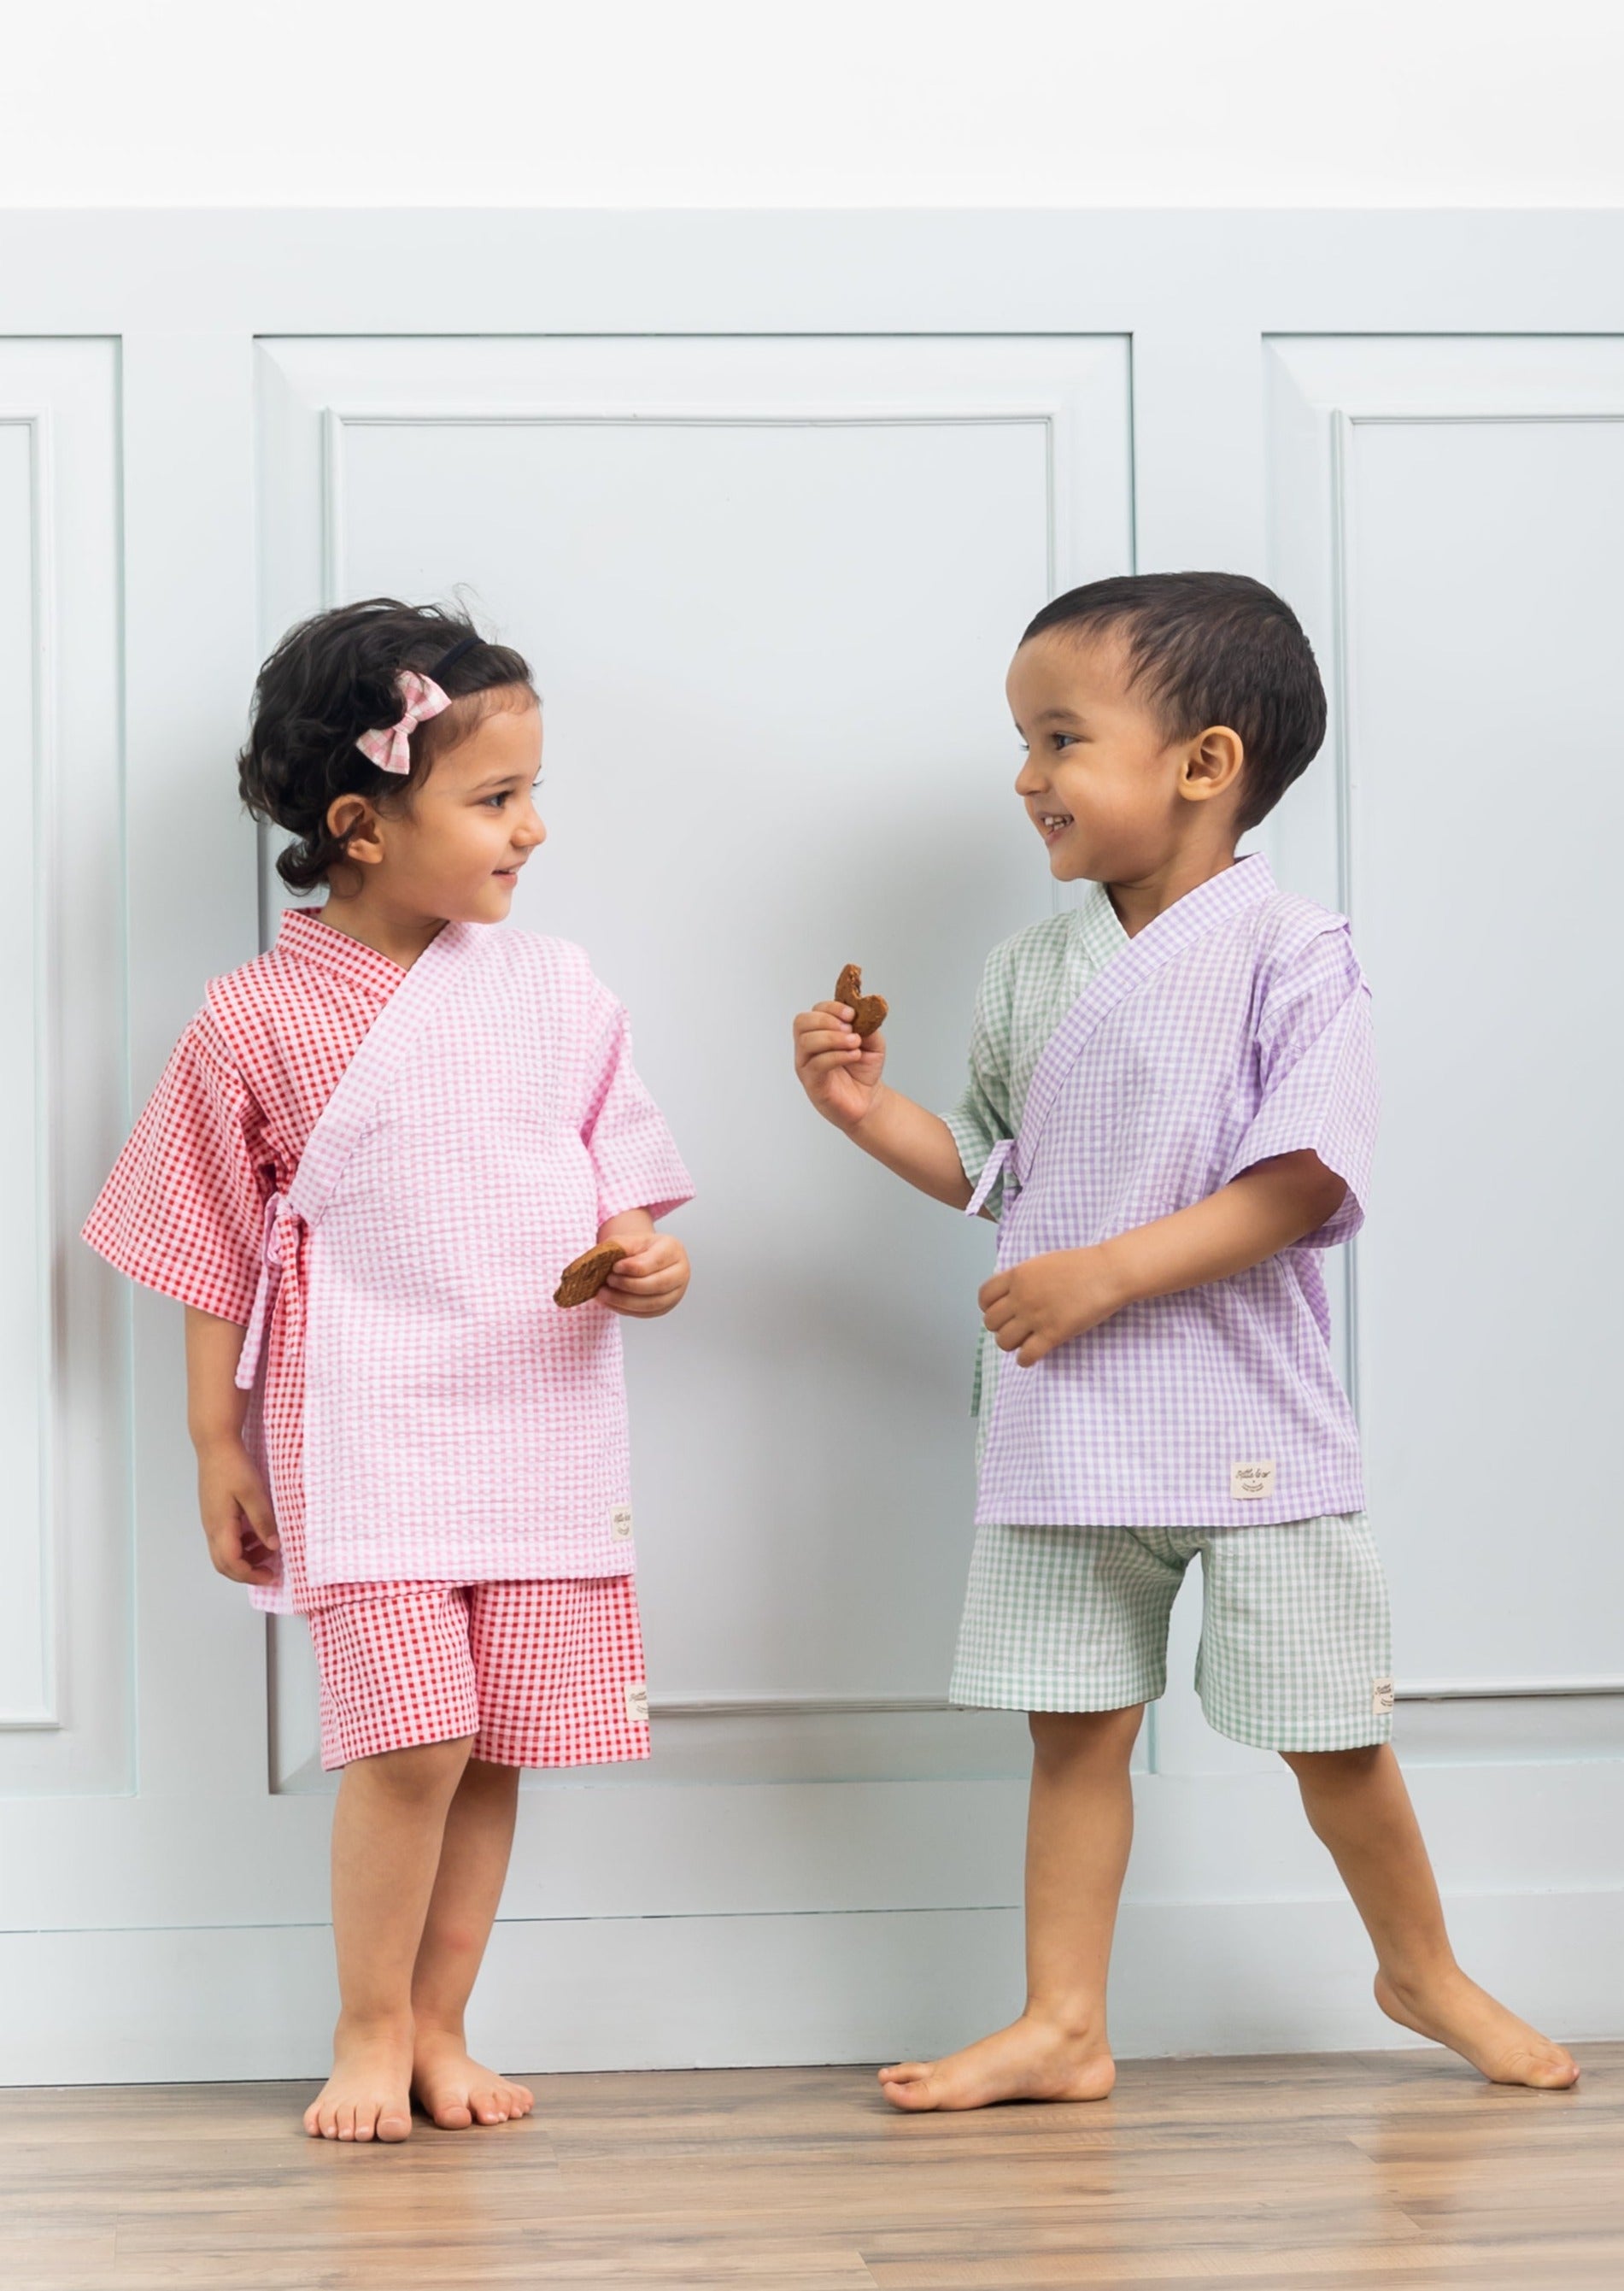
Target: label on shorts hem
point(638, 1705)
point(1381, 1698)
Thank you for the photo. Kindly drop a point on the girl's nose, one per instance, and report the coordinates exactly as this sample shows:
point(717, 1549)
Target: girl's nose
point(1028, 782)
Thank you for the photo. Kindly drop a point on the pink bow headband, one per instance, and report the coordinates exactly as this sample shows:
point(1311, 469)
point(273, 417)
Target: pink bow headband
point(421, 698)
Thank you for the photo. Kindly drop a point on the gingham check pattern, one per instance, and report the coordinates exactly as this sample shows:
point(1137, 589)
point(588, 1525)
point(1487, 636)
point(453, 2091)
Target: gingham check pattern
point(1295, 1648)
point(540, 1674)
point(1233, 1027)
point(227, 1128)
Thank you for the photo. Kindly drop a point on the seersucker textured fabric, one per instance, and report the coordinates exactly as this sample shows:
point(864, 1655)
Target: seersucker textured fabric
point(420, 1153)
point(1233, 1027)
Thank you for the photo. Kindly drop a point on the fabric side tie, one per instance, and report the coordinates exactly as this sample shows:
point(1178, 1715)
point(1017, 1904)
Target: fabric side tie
point(994, 1169)
point(264, 1295)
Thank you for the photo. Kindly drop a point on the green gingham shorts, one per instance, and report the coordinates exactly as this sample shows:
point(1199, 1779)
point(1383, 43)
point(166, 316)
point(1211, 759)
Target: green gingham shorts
point(1295, 1647)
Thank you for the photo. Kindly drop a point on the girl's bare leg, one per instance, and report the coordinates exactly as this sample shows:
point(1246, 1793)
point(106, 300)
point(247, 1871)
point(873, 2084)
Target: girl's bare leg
point(453, 2088)
point(1360, 1812)
point(387, 1832)
point(1079, 1828)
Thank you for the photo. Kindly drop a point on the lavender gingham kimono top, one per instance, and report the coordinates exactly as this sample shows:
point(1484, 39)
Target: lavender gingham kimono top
point(1233, 1027)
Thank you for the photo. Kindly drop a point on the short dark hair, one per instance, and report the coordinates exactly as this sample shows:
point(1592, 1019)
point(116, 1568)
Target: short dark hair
point(332, 677)
point(1213, 648)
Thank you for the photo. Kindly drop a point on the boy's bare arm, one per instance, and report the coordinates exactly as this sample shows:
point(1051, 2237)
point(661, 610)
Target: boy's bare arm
point(1035, 1305)
point(237, 1518)
point(841, 1075)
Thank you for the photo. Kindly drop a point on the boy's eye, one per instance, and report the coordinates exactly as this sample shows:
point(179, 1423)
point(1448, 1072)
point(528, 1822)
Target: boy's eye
point(1063, 740)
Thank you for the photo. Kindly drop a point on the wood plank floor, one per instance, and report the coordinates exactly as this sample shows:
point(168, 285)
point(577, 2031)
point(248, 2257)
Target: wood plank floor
point(1378, 2169)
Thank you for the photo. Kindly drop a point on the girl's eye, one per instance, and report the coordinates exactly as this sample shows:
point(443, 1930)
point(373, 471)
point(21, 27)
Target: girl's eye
point(1063, 740)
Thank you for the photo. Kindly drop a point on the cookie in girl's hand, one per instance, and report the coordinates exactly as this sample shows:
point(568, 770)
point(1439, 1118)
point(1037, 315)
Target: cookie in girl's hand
point(586, 1275)
point(867, 1010)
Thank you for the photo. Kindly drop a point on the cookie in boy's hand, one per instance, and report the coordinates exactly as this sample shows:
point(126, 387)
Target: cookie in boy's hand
point(587, 1275)
point(867, 1010)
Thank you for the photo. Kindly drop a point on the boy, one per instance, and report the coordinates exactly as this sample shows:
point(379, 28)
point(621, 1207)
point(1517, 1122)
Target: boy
point(1170, 1111)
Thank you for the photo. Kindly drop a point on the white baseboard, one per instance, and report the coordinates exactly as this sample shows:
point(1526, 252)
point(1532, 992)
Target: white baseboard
point(239, 2005)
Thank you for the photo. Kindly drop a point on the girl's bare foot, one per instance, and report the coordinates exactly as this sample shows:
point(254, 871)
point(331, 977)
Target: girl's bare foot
point(1030, 2060)
point(453, 2088)
point(1455, 2011)
point(368, 2096)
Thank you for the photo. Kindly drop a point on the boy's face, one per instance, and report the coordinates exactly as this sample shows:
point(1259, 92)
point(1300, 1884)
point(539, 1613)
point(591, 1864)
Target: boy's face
point(1108, 792)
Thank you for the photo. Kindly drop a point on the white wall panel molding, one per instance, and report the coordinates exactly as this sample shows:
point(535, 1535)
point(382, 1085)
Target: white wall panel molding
point(834, 503)
point(1443, 509)
point(63, 1588)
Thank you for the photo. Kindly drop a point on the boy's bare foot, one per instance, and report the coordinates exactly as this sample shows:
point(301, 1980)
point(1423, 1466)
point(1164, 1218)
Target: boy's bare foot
point(1466, 2018)
point(368, 2096)
point(453, 2088)
point(1030, 2060)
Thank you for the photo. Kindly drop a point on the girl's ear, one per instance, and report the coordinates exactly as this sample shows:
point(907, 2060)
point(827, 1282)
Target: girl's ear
point(1212, 764)
point(352, 821)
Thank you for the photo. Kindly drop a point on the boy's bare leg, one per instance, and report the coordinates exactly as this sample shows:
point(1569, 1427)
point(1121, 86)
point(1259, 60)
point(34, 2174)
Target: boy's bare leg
point(386, 1829)
point(454, 2089)
point(1079, 1828)
point(1360, 1809)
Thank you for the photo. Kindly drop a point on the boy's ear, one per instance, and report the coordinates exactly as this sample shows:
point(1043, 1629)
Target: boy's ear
point(352, 822)
point(1212, 764)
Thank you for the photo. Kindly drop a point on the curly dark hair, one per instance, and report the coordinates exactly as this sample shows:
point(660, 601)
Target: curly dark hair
point(332, 677)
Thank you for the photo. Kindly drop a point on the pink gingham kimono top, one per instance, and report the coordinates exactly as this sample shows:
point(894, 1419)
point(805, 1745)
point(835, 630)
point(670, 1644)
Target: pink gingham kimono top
point(1233, 1027)
point(425, 1411)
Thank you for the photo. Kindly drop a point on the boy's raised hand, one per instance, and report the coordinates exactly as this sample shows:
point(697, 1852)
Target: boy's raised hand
point(838, 1072)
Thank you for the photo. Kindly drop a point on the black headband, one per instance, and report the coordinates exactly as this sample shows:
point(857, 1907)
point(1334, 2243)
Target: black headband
point(450, 659)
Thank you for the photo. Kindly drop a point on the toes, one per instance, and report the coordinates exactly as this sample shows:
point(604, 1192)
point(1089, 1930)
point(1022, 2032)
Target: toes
point(454, 2115)
point(394, 2126)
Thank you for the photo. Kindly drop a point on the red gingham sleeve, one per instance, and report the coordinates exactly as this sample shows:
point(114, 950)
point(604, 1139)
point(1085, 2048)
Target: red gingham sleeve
point(183, 1210)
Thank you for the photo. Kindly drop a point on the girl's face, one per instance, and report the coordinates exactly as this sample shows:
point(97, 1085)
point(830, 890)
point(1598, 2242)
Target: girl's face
point(454, 853)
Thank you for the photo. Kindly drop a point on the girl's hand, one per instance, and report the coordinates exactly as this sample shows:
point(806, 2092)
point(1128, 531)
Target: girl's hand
point(1035, 1305)
point(236, 1512)
point(839, 1072)
point(649, 1282)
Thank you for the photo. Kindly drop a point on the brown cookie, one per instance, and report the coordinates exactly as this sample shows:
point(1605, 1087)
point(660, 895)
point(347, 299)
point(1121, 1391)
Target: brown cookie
point(867, 1010)
point(587, 1275)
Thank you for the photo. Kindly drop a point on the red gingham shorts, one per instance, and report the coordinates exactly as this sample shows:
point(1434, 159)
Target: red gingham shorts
point(540, 1674)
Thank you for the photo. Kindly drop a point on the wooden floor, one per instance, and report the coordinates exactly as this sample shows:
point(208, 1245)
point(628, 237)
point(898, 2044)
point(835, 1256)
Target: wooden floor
point(1379, 2169)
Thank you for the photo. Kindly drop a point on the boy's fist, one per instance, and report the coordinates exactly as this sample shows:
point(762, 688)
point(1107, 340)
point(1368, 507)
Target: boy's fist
point(839, 1071)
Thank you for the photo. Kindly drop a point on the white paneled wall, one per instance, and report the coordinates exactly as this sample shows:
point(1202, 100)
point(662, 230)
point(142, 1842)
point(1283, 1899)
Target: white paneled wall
point(64, 1573)
point(767, 502)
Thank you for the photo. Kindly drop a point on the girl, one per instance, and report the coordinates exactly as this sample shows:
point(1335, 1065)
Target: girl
point(370, 1157)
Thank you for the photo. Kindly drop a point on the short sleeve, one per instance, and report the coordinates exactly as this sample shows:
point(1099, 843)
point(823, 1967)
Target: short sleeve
point(982, 1118)
point(633, 1154)
point(1316, 1073)
point(183, 1209)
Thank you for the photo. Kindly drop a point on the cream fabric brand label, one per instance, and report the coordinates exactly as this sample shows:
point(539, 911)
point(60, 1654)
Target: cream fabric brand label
point(1247, 1480)
point(620, 1521)
point(1381, 1698)
point(638, 1705)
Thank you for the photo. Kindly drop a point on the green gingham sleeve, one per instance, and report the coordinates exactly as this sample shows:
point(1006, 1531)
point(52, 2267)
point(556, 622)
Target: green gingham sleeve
point(982, 1117)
